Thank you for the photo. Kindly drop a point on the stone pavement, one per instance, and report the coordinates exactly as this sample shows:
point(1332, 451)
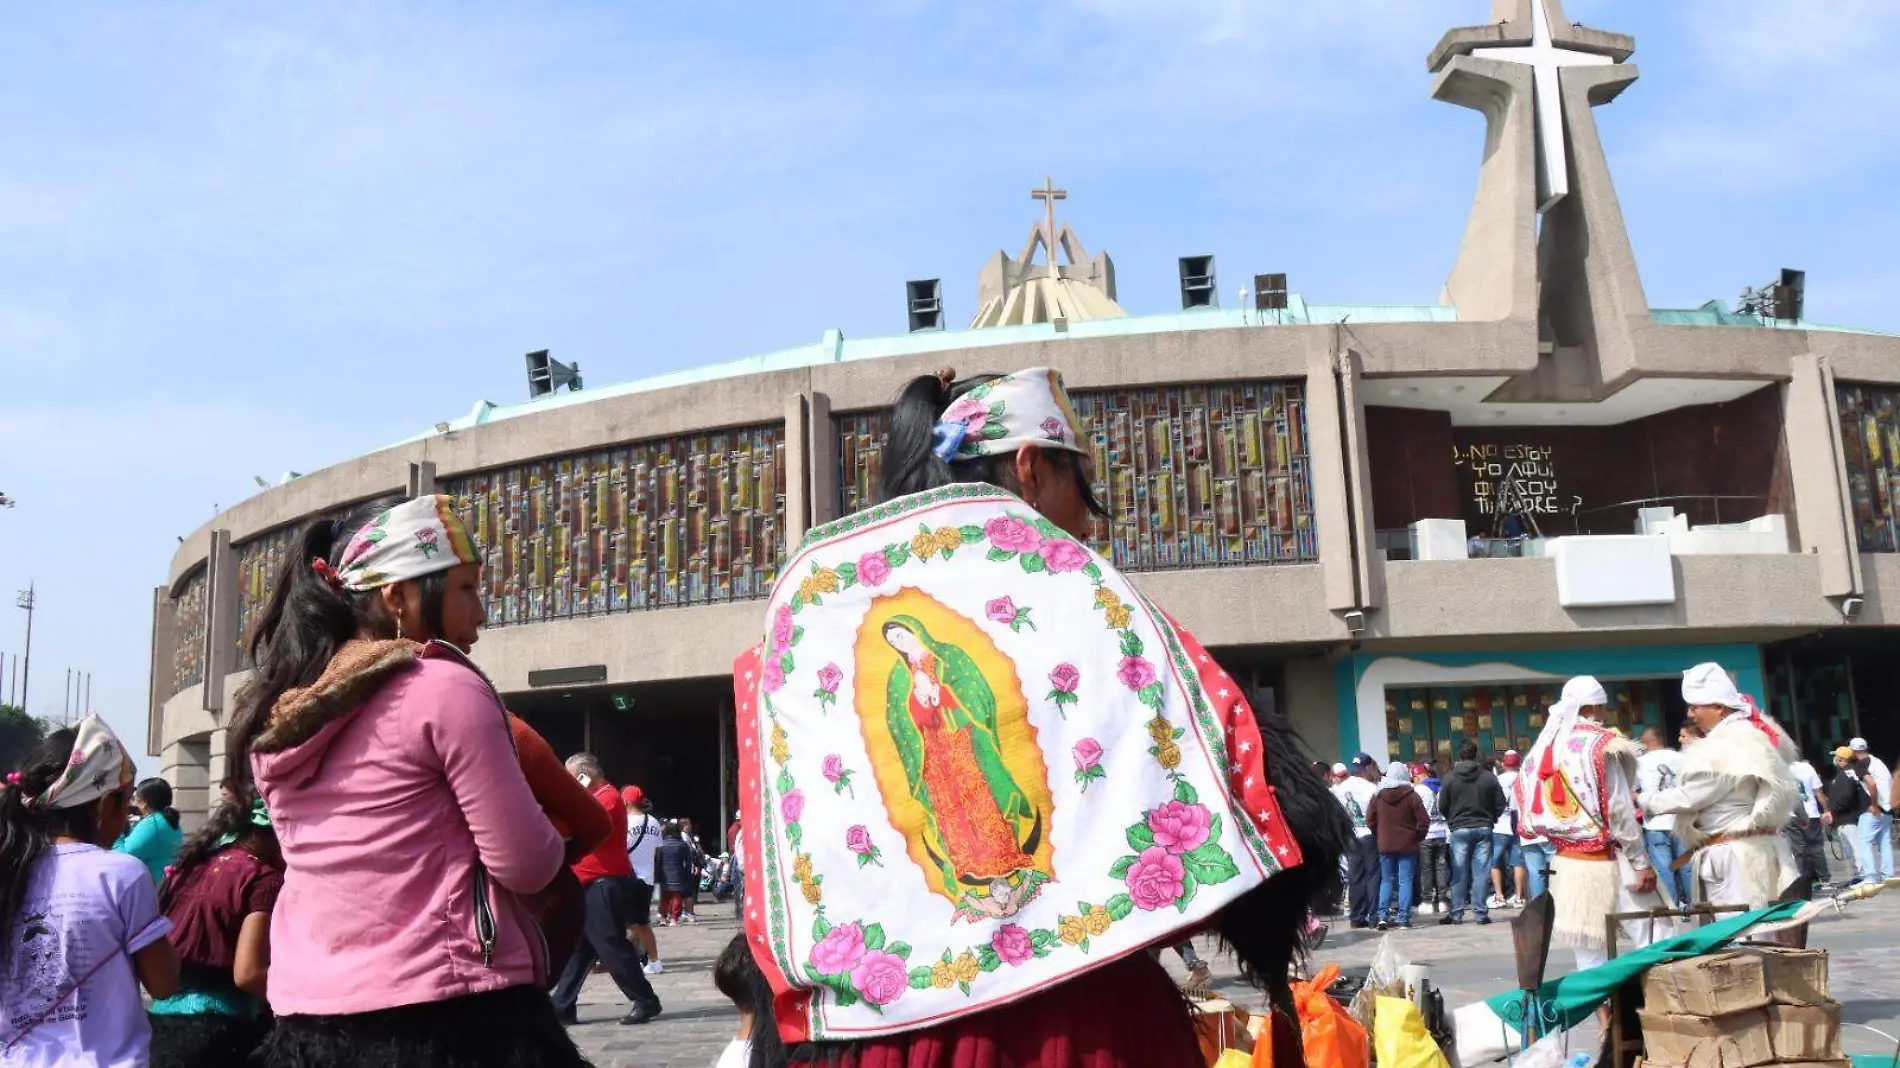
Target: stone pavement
point(1467, 962)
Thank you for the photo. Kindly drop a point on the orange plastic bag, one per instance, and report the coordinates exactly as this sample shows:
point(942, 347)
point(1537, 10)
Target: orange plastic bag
point(1329, 1036)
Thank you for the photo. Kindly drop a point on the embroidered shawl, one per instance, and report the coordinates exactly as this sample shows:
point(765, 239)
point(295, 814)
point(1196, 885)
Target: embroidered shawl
point(975, 762)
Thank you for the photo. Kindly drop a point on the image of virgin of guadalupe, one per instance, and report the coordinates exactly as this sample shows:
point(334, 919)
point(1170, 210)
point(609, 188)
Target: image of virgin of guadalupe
point(980, 830)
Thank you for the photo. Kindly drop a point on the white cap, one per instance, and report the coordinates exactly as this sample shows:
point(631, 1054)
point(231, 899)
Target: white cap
point(1339, 769)
point(1858, 745)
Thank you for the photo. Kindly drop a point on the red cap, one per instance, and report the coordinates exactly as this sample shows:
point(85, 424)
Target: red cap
point(632, 796)
point(1511, 759)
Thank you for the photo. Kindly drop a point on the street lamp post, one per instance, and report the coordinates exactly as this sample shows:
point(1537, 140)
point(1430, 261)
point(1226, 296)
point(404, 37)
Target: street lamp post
point(26, 600)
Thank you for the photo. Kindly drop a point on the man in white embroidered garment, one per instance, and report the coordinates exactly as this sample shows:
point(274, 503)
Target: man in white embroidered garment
point(1734, 795)
point(1578, 790)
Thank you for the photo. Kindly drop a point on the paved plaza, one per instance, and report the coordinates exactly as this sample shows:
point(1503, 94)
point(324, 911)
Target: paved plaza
point(1468, 963)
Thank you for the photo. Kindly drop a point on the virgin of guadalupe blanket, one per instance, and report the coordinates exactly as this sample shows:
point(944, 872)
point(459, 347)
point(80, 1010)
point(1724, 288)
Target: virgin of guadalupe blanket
point(975, 762)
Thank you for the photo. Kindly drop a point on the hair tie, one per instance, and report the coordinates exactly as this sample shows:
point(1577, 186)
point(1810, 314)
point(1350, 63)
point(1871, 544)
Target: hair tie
point(947, 438)
point(947, 376)
point(13, 778)
point(327, 573)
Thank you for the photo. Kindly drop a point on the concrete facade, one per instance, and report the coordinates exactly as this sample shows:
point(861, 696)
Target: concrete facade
point(1560, 320)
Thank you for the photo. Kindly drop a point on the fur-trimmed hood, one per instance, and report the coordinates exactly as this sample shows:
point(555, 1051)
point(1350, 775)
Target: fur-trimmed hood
point(303, 719)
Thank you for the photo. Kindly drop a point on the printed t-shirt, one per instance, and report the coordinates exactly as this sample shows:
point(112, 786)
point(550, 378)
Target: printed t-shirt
point(86, 910)
point(1355, 794)
point(643, 841)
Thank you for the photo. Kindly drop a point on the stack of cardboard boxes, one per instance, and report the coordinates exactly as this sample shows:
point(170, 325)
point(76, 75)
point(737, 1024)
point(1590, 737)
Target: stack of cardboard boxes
point(1747, 1007)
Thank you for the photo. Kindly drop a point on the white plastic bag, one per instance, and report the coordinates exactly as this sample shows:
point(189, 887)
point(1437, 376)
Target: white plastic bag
point(1546, 1052)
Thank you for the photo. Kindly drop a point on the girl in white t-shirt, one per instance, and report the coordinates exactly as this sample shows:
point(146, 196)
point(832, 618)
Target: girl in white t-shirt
point(80, 924)
point(737, 976)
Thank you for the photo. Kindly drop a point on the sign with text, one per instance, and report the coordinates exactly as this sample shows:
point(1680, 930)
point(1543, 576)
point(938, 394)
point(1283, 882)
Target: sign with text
point(1511, 479)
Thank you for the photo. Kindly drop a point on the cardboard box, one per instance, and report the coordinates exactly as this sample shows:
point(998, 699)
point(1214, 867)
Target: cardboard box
point(1713, 985)
point(1737, 1040)
point(1796, 976)
point(1805, 1032)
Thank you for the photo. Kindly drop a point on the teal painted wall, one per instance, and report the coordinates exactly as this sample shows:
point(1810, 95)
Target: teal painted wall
point(1625, 662)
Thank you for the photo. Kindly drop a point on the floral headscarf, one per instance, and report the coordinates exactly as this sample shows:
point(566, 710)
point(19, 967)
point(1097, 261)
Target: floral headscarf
point(415, 538)
point(1003, 415)
point(98, 766)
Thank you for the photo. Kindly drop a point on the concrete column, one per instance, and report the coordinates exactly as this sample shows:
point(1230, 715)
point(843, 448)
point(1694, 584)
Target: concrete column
point(1332, 516)
point(217, 746)
point(421, 478)
point(1591, 293)
point(1495, 275)
point(1369, 566)
point(824, 459)
point(1818, 477)
point(159, 678)
point(798, 476)
point(186, 764)
point(221, 611)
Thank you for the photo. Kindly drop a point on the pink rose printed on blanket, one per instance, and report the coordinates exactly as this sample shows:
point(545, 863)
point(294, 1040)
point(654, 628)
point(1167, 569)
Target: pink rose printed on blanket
point(1176, 852)
point(1062, 683)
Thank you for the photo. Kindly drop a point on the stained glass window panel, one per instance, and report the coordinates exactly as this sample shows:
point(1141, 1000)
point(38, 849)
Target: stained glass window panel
point(1870, 446)
point(682, 521)
point(1192, 476)
point(190, 614)
point(258, 561)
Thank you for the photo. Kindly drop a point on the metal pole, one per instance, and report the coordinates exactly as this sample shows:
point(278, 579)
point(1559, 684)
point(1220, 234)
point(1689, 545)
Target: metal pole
point(66, 708)
point(26, 601)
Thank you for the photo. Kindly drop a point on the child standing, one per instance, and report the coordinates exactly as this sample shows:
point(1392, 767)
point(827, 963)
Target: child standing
point(737, 976)
point(678, 881)
point(81, 923)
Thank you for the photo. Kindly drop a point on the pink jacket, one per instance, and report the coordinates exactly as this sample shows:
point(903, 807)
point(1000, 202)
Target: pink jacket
point(407, 828)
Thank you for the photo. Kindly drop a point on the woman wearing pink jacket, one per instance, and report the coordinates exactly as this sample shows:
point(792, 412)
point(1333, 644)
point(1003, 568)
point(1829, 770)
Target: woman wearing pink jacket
point(407, 826)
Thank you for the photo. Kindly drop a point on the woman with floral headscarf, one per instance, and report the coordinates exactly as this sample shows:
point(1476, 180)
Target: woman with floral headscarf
point(942, 868)
point(409, 832)
point(80, 929)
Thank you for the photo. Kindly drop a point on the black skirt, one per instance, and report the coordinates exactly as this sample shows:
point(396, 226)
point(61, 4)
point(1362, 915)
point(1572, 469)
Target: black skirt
point(206, 1041)
point(512, 1028)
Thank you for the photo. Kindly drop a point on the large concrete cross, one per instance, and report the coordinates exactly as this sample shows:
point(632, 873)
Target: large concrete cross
point(1545, 59)
point(1049, 194)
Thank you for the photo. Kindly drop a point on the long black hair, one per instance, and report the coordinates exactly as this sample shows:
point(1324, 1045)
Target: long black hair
point(304, 624)
point(157, 795)
point(228, 826)
point(1265, 927)
point(911, 465)
point(736, 974)
point(25, 833)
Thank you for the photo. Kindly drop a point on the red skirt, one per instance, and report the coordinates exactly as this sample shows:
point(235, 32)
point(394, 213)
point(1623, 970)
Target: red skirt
point(1125, 1015)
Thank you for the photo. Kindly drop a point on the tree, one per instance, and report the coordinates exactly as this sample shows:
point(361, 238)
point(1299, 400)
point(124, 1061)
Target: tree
point(20, 734)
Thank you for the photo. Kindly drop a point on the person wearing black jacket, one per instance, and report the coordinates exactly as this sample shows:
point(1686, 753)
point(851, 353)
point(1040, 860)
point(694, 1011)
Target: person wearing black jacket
point(1471, 800)
point(1848, 796)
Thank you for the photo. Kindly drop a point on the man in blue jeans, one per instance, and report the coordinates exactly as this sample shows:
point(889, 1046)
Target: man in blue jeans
point(1471, 800)
point(1656, 770)
point(1876, 824)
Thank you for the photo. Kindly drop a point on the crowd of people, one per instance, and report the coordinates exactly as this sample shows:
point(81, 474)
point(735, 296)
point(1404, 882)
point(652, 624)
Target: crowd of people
point(401, 872)
point(397, 870)
point(1460, 841)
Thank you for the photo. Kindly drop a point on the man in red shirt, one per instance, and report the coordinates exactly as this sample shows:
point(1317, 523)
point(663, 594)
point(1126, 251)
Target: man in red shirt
point(603, 873)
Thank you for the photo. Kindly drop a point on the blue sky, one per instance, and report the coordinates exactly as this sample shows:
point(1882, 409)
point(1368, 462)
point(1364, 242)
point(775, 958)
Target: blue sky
point(239, 239)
